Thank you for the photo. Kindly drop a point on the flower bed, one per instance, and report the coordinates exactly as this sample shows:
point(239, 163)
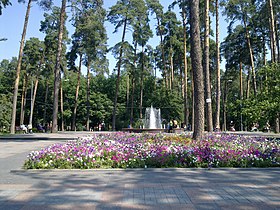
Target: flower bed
point(124, 150)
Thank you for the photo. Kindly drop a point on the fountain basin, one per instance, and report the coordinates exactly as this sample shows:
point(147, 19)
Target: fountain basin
point(144, 130)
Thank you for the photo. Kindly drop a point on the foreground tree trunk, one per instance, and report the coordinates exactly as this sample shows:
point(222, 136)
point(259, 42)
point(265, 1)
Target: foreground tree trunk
point(206, 70)
point(14, 110)
point(218, 73)
point(186, 102)
point(197, 71)
point(57, 67)
point(241, 95)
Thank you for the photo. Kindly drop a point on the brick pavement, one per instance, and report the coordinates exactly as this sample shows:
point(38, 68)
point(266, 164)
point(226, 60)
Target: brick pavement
point(132, 188)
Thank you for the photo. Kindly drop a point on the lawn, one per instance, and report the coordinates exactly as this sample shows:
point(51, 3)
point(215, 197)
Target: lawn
point(125, 150)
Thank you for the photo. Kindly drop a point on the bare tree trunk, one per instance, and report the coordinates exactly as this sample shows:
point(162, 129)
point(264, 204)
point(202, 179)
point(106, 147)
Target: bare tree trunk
point(265, 62)
point(241, 80)
point(118, 78)
point(88, 93)
point(272, 32)
point(45, 102)
point(277, 121)
point(241, 95)
point(277, 43)
point(23, 99)
point(61, 106)
point(197, 71)
point(225, 108)
point(181, 84)
point(192, 102)
point(133, 84)
point(248, 85)
point(74, 114)
point(209, 118)
point(14, 110)
point(132, 101)
point(218, 73)
point(127, 94)
point(171, 69)
point(33, 99)
point(251, 57)
point(162, 52)
point(57, 67)
point(186, 102)
point(141, 85)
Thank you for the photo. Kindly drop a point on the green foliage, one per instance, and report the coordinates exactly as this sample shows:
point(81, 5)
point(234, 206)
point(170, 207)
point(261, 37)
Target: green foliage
point(7, 75)
point(5, 112)
point(3, 4)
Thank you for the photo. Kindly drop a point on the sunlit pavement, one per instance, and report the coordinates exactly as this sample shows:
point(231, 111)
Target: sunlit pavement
point(174, 188)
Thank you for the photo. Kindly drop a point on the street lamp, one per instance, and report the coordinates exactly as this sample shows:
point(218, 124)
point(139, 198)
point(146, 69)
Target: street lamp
point(225, 104)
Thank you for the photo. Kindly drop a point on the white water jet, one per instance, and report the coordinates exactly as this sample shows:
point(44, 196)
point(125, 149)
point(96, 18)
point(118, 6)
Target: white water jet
point(152, 123)
point(152, 118)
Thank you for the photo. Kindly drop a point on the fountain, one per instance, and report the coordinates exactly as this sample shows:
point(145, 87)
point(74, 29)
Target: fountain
point(151, 124)
point(152, 118)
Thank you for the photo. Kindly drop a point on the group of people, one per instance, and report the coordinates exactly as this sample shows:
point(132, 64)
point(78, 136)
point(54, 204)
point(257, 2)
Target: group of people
point(26, 129)
point(254, 128)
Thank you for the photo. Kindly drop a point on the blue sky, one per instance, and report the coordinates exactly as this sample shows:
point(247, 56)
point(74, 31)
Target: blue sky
point(11, 24)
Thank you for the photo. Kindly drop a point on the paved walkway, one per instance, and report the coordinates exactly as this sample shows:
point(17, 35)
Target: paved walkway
point(130, 189)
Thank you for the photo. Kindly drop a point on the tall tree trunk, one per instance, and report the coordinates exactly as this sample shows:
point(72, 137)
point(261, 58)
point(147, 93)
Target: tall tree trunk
point(61, 106)
point(57, 67)
point(171, 69)
point(133, 84)
point(241, 95)
point(265, 62)
point(141, 85)
point(218, 73)
point(197, 71)
point(277, 123)
point(23, 99)
point(33, 99)
point(132, 101)
point(162, 52)
point(248, 85)
point(127, 94)
point(272, 32)
point(118, 77)
point(209, 118)
point(193, 106)
point(225, 108)
point(186, 102)
point(74, 114)
point(181, 84)
point(88, 93)
point(251, 57)
point(14, 110)
point(277, 43)
point(45, 103)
